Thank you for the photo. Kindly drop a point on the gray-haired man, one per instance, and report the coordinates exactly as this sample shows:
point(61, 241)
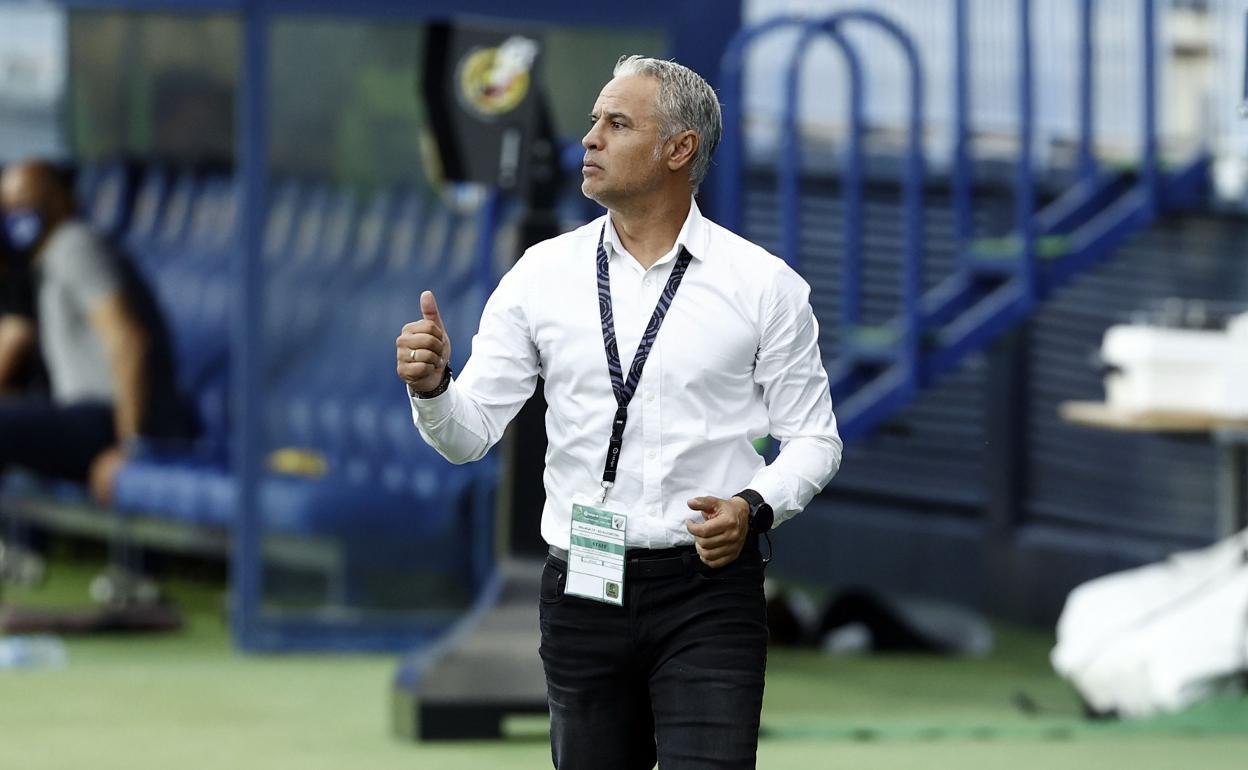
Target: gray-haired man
point(654, 626)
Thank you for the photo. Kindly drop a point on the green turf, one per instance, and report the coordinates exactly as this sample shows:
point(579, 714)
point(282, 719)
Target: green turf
point(187, 701)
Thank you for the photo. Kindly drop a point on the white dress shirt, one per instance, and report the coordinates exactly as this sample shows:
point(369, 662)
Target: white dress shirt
point(737, 358)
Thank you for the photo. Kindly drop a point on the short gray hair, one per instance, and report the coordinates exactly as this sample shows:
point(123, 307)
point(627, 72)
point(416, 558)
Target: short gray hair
point(686, 102)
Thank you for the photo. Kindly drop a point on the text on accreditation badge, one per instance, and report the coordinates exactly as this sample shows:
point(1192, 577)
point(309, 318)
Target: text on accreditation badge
point(596, 554)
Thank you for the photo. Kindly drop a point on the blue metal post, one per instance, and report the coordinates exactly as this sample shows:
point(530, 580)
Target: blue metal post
point(912, 293)
point(789, 175)
point(730, 175)
point(699, 33)
point(1148, 170)
point(912, 192)
point(851, 189)
point(1087, 73)
point(1025, 192)
point(729, 178)
point(1244, 104)
point(961, 137)
point(247, 340)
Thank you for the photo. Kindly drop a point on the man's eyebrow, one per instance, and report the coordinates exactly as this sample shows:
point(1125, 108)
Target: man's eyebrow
point(620, 116)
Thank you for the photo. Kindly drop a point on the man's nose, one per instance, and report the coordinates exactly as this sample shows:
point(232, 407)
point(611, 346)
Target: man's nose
point(591, 139)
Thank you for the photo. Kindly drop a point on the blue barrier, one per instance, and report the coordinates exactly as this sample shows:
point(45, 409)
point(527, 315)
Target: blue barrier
point(997, 282)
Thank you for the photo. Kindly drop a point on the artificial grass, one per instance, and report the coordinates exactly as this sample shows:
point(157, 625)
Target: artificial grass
point(188, 701)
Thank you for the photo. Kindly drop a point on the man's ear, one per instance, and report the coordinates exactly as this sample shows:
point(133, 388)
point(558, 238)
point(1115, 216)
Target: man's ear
point(681, 149)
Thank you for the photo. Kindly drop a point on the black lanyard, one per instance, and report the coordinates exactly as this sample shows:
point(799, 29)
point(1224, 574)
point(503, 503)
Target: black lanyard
point(624, 390)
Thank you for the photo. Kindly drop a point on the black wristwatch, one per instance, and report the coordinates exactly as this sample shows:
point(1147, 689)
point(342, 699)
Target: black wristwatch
point(761, 515)
point(442, 386)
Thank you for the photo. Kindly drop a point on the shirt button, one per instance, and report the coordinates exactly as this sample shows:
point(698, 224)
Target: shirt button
point(650, 454)
point(646, 282)
point(650, 395)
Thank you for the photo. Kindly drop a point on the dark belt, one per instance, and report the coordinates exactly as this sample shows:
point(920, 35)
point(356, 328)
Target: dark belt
point(641, 563)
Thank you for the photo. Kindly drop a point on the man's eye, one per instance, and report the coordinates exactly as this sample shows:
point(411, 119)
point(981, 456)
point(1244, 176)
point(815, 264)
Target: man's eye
point(616, 124)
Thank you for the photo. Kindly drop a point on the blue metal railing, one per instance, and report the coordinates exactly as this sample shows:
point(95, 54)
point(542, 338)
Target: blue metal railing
point(1149, 169)
point(1025, 181)
point(789, 172)
point(1087, 37)
point(1243, 105)
point(732, 163)
point(997, 282)
point(963, 221)
point(731, 159)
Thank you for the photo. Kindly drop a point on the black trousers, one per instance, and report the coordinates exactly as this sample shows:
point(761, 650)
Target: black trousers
point(675, 675)
point(51, 440)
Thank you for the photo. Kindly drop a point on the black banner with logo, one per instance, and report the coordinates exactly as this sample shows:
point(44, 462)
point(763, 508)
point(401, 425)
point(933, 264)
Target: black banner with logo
point(485, 107)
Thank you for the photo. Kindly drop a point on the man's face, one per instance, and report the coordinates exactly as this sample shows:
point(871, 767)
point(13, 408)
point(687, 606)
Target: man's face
point(22, 208)
point(17, 190)
point(620, 159)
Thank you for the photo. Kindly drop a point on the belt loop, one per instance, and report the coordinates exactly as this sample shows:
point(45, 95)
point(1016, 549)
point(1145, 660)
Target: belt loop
point(686, 558)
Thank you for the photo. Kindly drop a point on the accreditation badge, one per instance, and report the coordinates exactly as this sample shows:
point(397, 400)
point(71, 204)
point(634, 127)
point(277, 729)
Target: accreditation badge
point(596, 554)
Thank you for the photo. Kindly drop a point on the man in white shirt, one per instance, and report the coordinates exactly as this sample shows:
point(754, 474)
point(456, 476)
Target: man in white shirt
point(653, 620)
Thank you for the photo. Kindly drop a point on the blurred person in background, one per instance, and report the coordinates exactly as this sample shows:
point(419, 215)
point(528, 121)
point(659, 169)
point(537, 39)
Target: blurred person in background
point(19, 359)
point(107, 365)
point(666, 662)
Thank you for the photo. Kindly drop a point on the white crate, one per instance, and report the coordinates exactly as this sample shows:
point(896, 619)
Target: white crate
point(1177, 370)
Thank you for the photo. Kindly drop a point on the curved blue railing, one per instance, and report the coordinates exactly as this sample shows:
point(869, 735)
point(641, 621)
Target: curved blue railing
point(789, 174)
point(997, 281)
point(731, 161)
point(790, 168)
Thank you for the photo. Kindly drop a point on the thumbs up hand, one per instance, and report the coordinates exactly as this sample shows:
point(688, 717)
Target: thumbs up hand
point(424, 348)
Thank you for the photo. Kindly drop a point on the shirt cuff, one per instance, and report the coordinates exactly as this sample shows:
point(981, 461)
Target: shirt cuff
point(772, 488)
point(432, 412)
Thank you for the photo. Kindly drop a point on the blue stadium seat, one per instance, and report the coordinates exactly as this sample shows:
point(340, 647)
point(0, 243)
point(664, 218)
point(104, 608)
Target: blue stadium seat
point(420, 233)
point(341, 279)
point(168, 242)
point(86, 179)
point(108, 208)
point(149, 205)
point(211, 228)
point(342, 217)
point(279, 226)
point(309, 227)
point(377, 222)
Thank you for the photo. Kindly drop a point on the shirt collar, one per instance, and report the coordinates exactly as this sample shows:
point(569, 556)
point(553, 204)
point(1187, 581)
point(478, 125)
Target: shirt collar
point(693, 235)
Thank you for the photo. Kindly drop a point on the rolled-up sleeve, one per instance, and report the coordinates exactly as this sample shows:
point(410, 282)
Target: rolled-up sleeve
point(799, 405)
point(463, 423)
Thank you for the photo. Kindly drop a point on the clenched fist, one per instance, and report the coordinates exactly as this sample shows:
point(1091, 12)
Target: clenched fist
point(424, 348)
point(721, 534)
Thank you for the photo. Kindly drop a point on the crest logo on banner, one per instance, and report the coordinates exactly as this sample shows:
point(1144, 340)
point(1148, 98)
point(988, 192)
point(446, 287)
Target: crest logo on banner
point(494, 81)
